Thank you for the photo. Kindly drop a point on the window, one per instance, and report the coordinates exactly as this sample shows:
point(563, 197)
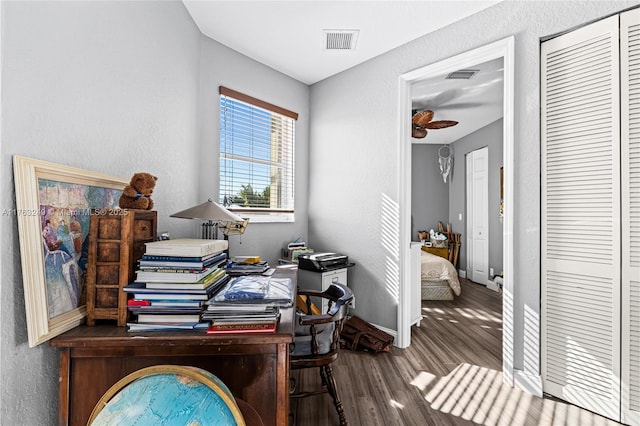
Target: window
point(256, 157)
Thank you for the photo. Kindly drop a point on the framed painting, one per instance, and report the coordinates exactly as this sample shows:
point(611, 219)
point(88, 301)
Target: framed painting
point(54, 204)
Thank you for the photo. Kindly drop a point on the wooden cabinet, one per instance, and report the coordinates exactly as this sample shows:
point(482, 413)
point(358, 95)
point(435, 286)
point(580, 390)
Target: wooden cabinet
point(116, 242)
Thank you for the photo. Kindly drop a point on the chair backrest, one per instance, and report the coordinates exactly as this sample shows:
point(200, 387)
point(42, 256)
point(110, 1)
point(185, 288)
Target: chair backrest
point(339, 296)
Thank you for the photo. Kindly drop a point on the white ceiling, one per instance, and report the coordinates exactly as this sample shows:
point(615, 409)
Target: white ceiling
point(288, 35)
point(473, 103)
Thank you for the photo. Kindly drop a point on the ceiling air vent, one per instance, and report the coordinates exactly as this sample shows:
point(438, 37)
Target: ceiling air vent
point(462, 74)
point(340, 39)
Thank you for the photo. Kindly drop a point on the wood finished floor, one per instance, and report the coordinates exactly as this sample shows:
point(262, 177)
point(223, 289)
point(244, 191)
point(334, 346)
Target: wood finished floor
point(450, 375)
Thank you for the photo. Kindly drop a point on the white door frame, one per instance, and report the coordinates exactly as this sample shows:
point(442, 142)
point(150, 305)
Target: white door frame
point(500, 49)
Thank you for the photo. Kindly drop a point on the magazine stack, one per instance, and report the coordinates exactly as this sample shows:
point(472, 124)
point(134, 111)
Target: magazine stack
point(248, 304)
point(247, 265)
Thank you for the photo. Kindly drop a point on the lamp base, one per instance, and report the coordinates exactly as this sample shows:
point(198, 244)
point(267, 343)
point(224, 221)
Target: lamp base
point(210, 230)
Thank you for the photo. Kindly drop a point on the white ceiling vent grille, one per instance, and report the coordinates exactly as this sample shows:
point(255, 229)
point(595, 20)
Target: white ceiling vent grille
point(340, 39)
point(462, 74)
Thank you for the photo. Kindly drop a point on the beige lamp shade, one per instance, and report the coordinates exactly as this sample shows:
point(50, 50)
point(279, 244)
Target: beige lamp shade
point(229, 223)
point(209, 210)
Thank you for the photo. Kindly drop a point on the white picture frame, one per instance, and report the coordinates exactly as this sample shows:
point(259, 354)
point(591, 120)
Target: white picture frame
point(53, 251)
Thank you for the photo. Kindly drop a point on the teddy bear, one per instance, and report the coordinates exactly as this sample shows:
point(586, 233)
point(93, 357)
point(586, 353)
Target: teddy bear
point(137, 195)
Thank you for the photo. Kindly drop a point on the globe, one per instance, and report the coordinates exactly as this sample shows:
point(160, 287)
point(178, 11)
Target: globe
point(168, 395)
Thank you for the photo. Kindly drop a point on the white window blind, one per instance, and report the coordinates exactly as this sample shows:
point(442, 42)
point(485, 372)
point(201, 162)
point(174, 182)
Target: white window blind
point(257, 141)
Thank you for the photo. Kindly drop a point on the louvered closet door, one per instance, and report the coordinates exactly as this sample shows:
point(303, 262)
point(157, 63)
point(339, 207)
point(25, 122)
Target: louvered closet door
point(581, 217)
point(630, 90)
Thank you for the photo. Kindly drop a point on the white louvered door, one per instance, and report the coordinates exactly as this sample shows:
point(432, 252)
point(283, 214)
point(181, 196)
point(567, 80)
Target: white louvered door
point(581, 217)
point(630, 129)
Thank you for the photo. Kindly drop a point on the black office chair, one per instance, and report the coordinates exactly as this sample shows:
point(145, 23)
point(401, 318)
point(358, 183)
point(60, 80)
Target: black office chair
point(317, 340)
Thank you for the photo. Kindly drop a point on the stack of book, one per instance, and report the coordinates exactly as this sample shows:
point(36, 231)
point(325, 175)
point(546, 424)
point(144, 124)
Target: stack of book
point(248, 304)
point(247, 265)
point(241, 318)
point(174, 280)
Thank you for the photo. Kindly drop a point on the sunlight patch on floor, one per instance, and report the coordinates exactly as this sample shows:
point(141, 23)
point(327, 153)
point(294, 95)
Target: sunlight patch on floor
point(396, 404)
point(476, 314)
point(422, 380)
point(436, 310)
point(478, 394)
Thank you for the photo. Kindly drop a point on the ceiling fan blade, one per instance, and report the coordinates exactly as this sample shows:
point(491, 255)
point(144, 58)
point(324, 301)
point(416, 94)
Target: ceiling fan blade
point(423, 117)
point(441, 124)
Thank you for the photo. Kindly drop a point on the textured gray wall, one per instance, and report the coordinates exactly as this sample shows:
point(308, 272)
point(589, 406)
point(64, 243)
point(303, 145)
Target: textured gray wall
point(429, 193)
point(117, 87)
point(432, 200)
point(354, 150)
point(491, 137)
point(104, 86)
point(221, 66)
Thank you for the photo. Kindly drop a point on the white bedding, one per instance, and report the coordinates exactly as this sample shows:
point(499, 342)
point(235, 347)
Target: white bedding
point(437, 269)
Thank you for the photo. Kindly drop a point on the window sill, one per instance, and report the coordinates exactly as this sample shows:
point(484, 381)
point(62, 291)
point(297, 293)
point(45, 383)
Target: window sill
point(275, 218)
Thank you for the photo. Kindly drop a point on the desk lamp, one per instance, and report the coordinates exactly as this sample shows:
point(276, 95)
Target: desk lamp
point(217, 217)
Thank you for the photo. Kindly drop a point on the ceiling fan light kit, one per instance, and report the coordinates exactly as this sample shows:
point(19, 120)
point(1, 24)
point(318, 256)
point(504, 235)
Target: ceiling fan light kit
point(421, 121)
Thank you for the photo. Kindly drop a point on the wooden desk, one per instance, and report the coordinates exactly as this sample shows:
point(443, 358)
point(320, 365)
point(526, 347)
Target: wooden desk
point(255, 367)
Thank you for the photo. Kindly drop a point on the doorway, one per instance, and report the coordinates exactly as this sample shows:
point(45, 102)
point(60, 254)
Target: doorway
point(500, 49)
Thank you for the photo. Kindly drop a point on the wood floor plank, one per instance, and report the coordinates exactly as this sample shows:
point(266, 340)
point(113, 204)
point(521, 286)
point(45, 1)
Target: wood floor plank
point(450, 376)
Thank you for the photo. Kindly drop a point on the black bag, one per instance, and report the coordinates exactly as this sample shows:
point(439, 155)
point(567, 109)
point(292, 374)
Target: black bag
point(357, 334)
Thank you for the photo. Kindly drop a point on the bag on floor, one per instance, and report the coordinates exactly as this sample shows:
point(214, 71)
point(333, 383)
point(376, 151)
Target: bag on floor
point(359, 335)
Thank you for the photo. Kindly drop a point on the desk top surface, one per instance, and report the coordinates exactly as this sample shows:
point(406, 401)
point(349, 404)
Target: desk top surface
point(111, 335)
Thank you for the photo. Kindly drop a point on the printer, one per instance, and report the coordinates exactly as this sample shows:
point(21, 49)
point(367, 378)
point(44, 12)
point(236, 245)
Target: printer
point(321, 262)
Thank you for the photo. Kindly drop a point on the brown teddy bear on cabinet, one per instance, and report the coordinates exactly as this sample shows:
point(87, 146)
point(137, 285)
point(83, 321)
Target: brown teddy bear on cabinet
point(137, 195)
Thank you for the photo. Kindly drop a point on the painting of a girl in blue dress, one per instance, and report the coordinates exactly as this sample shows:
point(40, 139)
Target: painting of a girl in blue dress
point(65, 211)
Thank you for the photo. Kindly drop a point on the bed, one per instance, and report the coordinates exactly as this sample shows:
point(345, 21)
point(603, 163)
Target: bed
point(438, 278)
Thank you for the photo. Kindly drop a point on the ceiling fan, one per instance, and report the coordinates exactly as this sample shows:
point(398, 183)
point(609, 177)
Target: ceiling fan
point(421, 121)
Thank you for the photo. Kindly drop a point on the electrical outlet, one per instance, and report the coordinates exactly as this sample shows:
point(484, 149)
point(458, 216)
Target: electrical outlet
point(491, 274)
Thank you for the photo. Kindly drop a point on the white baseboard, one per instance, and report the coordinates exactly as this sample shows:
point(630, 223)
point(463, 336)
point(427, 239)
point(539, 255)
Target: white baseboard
point(528, 382)
point(394, 333)
point(462, 273)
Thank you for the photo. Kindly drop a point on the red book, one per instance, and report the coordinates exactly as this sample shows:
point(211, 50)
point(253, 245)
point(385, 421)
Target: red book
point(137, 302)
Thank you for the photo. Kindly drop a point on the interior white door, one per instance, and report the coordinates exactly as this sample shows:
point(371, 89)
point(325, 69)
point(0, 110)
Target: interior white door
point(478, 215)
point(416, 291)
point(580, 217)
point(630, 136)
